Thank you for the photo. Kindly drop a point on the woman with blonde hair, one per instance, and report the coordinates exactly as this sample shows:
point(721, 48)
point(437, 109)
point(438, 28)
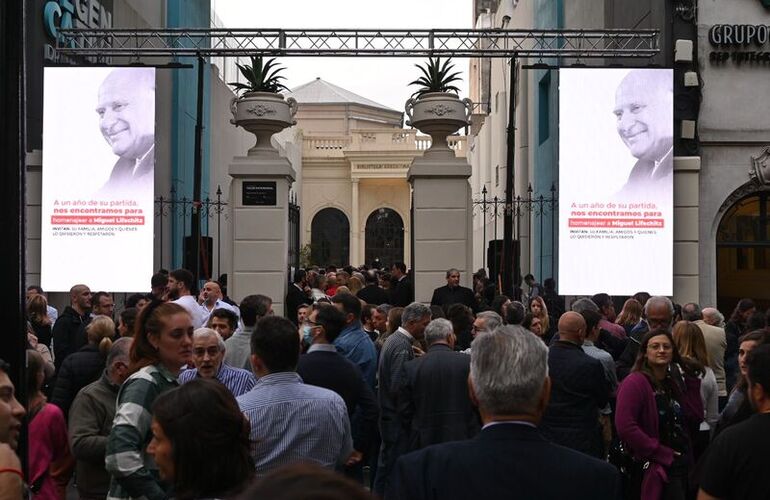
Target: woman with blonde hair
point(86, 365)
point(630, 315)
point(37, 315)
point(355, 284)
point(539, 310)
point(691, 344)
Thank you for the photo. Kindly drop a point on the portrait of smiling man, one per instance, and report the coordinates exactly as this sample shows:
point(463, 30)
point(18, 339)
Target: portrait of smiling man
point(126, 109)
point(644, 110)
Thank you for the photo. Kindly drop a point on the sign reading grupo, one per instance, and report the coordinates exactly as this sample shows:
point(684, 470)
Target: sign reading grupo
point(98, 178)
point(616, 181)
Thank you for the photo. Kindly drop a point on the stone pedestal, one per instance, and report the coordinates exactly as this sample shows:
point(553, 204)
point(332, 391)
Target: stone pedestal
point(686, 236)
point(260, 232)
point(442, 227)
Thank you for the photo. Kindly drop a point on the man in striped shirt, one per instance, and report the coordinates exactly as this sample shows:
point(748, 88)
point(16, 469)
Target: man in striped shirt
point(208, 356)
point(291, 421)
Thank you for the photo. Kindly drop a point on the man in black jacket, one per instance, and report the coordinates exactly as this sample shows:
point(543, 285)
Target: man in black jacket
point(372, 293)
point(579, 390)
point(434, 405)
point(509, 459)
point(323, 366)
point(401, 293)
point(453, 293)
point(297, 295)
point(68, 331)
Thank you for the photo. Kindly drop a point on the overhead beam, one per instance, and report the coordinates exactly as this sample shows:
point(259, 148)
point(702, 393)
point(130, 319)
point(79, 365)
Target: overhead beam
point(135, 43)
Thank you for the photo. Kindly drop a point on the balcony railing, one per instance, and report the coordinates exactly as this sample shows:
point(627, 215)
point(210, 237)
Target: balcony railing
point(376, 140)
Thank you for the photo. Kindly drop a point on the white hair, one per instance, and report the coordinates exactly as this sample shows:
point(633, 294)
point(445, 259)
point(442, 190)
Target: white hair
point(205, 333)
point(508, 369)
point(437, 330)
point(491, 320)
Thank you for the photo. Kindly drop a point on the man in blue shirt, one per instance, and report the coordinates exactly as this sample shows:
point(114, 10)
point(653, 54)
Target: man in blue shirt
point(208, 357)
point(291, 421)
point(353, 342)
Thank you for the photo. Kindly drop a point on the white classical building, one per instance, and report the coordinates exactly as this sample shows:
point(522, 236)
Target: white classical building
point(354, 193)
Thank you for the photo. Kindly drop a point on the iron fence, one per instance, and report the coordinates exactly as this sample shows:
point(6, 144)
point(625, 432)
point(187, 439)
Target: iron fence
point(211, 211)
point(539, 206)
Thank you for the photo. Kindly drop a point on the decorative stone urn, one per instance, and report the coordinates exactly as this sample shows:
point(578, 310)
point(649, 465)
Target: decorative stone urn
point(438, 114)
point(263, 114)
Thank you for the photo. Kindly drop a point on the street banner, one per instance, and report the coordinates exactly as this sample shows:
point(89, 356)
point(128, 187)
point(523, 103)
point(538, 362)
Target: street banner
point(616, 181)
point(98, 178)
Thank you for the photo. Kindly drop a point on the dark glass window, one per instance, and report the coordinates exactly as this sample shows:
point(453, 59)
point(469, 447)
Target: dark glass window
point(330, 238)
point(743, 253)
point(384, 237)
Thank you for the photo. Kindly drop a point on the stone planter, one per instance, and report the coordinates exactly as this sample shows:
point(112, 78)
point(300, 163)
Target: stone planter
point(438, 114)
point(263, 114)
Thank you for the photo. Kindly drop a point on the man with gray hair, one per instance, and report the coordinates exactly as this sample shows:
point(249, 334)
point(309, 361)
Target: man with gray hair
point(716, 343)
point(509, 458)
point(397, 350)
point(208, 354)
point(658, 314)
point(90, 422)
point(434, 402)
point(453, 293)
point(713, 317)
point(485, 321)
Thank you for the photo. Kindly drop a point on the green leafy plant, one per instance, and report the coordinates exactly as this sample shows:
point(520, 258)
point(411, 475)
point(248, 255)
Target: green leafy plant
point(260, 77)
point(436, 77)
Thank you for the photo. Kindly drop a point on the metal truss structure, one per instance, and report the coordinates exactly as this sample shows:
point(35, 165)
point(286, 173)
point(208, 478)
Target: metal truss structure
point(578, 44)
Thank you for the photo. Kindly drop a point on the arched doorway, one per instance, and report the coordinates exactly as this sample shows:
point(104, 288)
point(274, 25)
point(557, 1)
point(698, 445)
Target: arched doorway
point(330, 238)
point(384, 237)
point(743, 253)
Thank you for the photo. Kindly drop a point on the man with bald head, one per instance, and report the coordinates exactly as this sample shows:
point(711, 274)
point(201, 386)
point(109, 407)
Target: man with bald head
point(644, 109)
point(579, 390)
point(126, 109)
point(69, 330)
point(210, 299)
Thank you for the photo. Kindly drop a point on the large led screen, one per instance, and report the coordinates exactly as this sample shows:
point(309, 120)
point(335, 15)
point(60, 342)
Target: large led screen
point(616, 181)
point(98, 178)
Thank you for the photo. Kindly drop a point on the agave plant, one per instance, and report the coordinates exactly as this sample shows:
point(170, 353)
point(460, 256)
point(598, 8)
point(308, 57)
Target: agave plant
point(436, 77)
point(260, 77)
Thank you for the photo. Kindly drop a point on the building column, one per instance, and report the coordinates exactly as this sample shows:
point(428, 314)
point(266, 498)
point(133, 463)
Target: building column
point(355, 230)
point(442, 222)
point(259, 197)
point(686, 209)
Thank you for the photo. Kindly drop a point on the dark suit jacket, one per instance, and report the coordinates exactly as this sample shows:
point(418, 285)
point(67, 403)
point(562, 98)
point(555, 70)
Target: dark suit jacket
point(434, 403)
point(401, 294)
point(444, 296)
point(505, 461)
point(294, 298)
point(373, 294)
point(579, 390)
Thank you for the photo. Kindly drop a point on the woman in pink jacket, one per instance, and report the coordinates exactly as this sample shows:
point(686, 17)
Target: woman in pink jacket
point(658, 409)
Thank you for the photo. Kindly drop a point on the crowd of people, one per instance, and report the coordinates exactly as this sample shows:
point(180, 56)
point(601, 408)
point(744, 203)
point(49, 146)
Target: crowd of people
point(361, 392)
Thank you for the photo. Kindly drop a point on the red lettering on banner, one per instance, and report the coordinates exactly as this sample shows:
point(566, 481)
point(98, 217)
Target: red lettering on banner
point(96, 220)
point(618, 223)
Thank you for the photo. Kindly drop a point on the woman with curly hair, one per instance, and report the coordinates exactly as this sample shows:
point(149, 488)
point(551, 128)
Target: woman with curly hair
point(207, 409)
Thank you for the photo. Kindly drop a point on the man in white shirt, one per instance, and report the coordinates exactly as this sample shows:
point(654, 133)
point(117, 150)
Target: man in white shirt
point(210, 298)
point(180, 282)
